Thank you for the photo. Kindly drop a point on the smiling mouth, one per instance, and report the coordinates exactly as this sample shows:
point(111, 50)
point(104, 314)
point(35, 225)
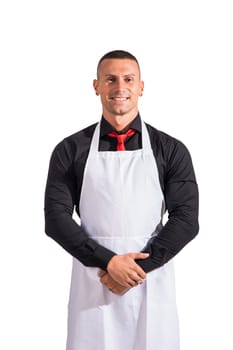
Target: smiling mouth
point(121, 99)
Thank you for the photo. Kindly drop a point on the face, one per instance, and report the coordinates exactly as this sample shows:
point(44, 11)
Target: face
point(119, 87)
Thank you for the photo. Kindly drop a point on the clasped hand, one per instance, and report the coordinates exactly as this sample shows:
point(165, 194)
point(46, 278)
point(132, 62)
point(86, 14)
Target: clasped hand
point(123, 273)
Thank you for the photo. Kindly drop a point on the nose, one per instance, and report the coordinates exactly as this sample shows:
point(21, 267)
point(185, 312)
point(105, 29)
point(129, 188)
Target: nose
point(120, 83)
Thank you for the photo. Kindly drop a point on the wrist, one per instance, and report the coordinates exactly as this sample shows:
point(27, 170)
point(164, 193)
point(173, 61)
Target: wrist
point(109, 264)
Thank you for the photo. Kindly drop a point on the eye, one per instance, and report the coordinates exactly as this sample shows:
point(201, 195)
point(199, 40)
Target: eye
point(129, 79)
point(110, 79)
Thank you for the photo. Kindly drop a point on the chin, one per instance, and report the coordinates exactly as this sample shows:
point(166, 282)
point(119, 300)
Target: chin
point(120, 112)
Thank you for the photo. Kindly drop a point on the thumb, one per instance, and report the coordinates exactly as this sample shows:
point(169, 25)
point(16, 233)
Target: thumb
point(102, 273)
point(139, 255)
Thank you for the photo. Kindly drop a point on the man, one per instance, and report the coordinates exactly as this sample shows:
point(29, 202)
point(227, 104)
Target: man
point(120, 175)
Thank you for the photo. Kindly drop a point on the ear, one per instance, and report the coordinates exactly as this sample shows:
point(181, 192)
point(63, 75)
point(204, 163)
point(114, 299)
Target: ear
point(141, 88)
point(95, 85)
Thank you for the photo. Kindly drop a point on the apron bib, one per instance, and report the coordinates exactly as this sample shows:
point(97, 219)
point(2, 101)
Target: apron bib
point(120, 207)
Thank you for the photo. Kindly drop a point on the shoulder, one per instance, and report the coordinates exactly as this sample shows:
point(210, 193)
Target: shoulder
point(173, 157)
point(165, 143)
point(81, 137)
point(82, 134)
point(76, 144)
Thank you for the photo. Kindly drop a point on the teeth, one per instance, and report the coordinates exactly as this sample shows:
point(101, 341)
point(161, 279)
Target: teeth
point(119, 98)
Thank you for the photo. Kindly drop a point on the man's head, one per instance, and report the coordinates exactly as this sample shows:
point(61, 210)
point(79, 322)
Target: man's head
point(119, 86)
point(117, 54)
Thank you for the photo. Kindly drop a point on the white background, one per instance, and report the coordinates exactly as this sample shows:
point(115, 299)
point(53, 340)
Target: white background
point(49, 51)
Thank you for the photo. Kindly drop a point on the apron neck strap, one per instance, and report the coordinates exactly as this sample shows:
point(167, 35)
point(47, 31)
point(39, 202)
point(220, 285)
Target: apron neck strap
point(146, 145)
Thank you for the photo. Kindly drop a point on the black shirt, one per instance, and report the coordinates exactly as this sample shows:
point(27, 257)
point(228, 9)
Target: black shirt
point(131, 143)
point(177, 180)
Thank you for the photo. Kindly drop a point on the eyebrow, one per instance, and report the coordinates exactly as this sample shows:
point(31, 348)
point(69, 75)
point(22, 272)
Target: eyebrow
point(125, 75)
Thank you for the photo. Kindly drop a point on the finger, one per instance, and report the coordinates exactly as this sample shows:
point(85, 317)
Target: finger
point(132, 280)
point(104, 280)
point(132, 283)
point(137, 279)
point(129, 283)
point(140, 281)
point(139, 255)
point(137, 273)
point(141, 276)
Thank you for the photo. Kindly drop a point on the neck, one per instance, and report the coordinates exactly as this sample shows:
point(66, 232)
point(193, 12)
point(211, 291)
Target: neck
point(120, 122)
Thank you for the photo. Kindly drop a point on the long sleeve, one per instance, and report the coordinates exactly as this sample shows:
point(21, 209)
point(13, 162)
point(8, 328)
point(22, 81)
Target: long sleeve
point(181, 198)
point(59, 205)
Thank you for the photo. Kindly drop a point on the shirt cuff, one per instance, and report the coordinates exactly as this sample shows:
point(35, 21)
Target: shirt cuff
point(103, 256)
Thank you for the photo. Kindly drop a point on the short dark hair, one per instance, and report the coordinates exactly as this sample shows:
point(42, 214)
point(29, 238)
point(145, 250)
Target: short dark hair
point(117, 54)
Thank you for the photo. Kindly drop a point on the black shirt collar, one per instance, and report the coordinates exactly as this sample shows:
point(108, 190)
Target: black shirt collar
point(105, 127)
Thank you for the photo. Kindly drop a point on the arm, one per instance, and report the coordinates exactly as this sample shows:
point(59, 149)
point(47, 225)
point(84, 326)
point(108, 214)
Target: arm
point(181, 198)
point(60, 198)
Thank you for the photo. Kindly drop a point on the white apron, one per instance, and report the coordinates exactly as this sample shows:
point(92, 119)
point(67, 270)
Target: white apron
point(120, 207)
